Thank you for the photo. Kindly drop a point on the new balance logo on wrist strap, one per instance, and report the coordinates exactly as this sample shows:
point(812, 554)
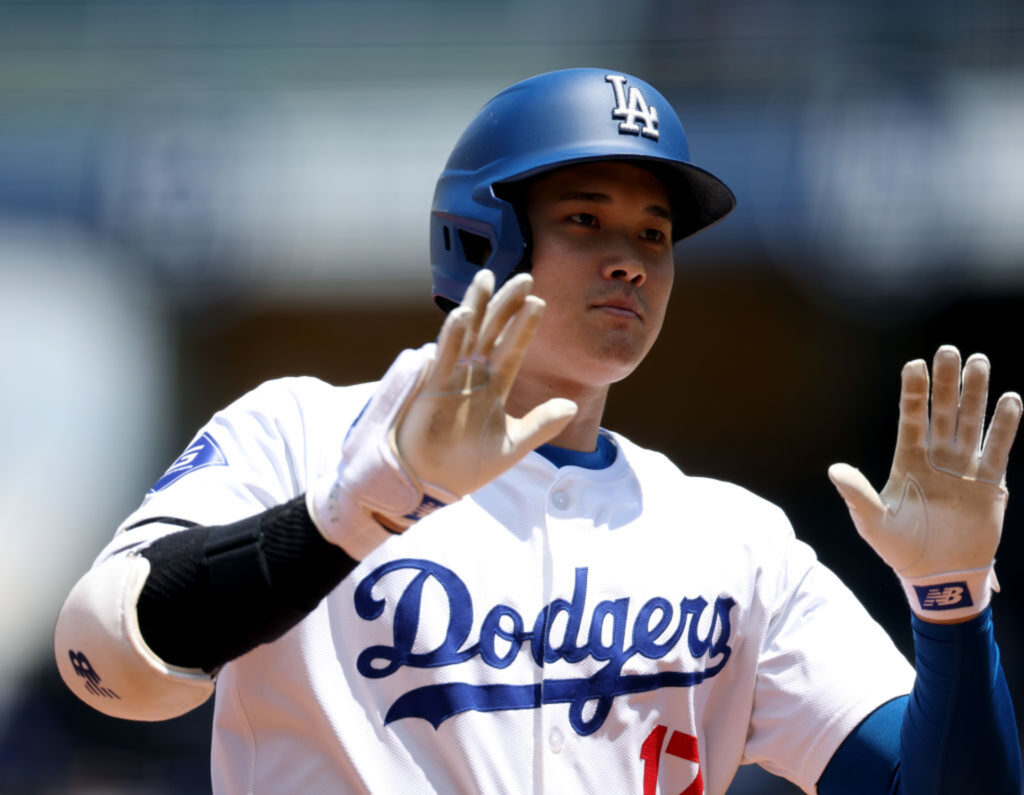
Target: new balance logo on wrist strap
point(944, 596)
point(428, 506)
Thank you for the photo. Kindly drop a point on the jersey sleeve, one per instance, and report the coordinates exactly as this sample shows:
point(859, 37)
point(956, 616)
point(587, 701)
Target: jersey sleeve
point(257, 453)
point(250, 457)
point(824, 665)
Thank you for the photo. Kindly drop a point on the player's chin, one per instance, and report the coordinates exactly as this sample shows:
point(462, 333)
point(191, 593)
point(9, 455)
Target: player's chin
point(618, 355)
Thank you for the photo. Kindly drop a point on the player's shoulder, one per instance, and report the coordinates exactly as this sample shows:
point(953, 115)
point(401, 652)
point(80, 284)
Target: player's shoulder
point(300, 397)
point(292, 415)
point(260, 450)
point(666, 485)
point(302, 389)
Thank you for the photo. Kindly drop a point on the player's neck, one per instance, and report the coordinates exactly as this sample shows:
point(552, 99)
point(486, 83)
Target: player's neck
point(581, 432)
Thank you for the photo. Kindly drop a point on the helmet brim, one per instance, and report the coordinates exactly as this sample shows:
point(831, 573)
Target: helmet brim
point(699, 199)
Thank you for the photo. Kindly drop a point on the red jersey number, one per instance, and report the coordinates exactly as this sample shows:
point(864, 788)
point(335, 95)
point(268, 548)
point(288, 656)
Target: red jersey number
point(681, 745)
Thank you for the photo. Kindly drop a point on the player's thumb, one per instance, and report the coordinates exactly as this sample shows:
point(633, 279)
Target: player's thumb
point(543, 423)
point(864, 503)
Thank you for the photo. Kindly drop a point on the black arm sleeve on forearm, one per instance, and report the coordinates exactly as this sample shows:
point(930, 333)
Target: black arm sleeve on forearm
point(214, 593)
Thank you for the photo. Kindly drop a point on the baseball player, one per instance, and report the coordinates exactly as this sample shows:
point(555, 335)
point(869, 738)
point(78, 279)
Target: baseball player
point(456, 580)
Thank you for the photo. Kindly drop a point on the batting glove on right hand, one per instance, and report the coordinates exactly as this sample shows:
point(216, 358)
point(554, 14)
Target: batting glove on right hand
point(436, 428)
point(939, 518)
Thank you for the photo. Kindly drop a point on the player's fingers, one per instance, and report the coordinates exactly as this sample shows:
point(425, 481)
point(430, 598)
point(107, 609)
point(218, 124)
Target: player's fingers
point(864, 503)
point(477, 295)
point(971, 422)
point(506, 302)
point(945, 399)
point(449, 346)
point(912, 432)
point(999, 439)
point(508, 354)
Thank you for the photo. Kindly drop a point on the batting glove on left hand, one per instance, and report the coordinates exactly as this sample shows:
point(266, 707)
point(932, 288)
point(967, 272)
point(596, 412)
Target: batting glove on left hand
point(939, 518)
point(455, 434)
point(436, 428)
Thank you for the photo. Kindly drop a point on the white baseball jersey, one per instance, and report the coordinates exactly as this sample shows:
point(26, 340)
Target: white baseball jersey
point(627, 630)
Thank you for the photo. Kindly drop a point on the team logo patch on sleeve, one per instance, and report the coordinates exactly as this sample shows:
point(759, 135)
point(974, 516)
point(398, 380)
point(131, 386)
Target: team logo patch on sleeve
point(203, 452)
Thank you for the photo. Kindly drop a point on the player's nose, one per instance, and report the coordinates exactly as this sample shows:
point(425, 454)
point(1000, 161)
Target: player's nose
point(623, 263)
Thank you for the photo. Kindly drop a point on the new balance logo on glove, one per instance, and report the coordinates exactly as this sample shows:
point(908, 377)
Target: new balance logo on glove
point(944, 596)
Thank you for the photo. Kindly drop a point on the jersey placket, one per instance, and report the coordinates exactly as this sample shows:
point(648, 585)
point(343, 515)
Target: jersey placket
point(558, 740)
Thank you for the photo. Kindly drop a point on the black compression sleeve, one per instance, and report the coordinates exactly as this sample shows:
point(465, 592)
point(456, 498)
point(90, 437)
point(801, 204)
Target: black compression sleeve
point(214, 593)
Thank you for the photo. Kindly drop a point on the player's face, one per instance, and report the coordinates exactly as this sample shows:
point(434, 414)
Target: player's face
point(602, 261)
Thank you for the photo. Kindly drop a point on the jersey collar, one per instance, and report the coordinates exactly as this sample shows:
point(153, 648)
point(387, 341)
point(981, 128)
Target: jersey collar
point(600, 458)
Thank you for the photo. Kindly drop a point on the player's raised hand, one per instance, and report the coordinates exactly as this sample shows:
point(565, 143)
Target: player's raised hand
point(939, 518)
point(436, 427)
point(455, 434)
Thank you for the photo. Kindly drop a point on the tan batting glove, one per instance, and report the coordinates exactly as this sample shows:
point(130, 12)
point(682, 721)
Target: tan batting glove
point(455, 434)
point(436, 428)
point(939, 518)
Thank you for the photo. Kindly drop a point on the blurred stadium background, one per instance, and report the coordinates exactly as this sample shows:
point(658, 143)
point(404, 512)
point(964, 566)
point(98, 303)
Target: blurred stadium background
point(197, 196)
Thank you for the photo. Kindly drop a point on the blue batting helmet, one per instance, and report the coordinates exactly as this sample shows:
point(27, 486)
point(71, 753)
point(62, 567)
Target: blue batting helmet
point(542, 123)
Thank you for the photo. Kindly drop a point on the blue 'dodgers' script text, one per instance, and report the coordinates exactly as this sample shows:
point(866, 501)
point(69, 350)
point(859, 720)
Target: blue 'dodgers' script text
point(435, 703)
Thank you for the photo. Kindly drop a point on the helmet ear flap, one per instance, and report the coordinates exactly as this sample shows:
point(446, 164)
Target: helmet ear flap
point(467, 245)
point(446, 305)
point(462, 244)
point(476, 249)
point(514, 194)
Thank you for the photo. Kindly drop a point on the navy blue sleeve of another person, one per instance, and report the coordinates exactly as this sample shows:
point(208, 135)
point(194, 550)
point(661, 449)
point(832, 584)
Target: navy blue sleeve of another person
point(954, 733)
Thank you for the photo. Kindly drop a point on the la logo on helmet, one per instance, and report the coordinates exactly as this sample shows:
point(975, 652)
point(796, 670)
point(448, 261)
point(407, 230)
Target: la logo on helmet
point(632, 108)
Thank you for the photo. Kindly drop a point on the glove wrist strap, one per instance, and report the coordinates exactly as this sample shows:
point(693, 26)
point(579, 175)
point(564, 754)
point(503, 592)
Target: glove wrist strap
point(341, 519)
point(346, 521)
point(951, 595)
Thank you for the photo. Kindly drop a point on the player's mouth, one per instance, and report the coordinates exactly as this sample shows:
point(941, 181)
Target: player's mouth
point(620, 307)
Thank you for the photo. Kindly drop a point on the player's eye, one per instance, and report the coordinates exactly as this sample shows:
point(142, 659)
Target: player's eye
point(654, 235)
point(584, 219)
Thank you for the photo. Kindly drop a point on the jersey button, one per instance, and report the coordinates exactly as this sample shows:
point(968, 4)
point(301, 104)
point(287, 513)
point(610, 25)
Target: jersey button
point(560, 500)
point(556, 740)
